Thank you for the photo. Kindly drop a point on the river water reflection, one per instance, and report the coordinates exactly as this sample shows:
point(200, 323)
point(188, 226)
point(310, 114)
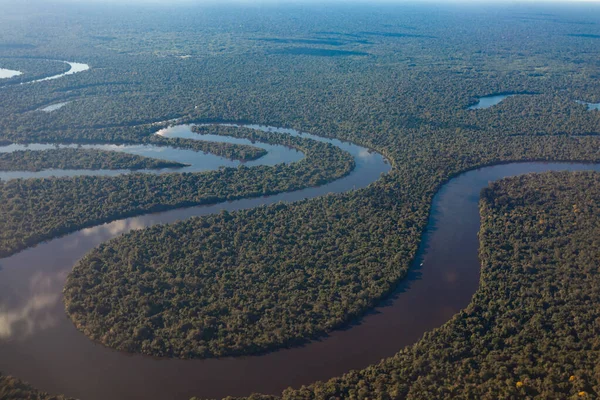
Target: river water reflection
point(8, 73)
point(39, 344)
point(48, 351)
point(196, 161)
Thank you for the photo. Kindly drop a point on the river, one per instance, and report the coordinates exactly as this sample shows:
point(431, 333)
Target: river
point(39, 343)
point(44, 348)
point(8, 73)
point(73, 69)
point(196, 161)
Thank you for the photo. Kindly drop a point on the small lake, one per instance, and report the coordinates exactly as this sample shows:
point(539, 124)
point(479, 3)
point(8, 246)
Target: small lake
point(9, 73)
point(492, 100)
point(590, 106)
point(489, 101)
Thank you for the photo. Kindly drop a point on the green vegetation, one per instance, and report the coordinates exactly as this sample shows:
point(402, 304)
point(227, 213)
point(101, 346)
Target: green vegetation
point(253, 281)
point(406, 99)
point(38, 209)
point(71, 158)
point(532, 328)
point(31, 69)
point(237, 283)
point(15, 389)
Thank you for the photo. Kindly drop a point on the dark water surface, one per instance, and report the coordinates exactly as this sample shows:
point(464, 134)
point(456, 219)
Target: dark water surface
point(39, 343)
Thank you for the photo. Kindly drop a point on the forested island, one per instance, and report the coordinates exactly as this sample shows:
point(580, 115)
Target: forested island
point(259, 280)
point(241, 152)
point(396, 79)
point(531, 330)
point(71, 158)
point(15, 389)
point(62, 205)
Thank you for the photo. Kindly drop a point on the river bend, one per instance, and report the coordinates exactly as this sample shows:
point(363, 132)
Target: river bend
point(196, 161)
point(40, 344)
point(51, 354)
point(74, 68)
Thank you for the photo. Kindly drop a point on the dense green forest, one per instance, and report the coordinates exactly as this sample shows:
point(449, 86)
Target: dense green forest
point(253, 281)
point(532, 328)
point(71, 158)
point(38, 209)
point(396, 79)
point(14, 389)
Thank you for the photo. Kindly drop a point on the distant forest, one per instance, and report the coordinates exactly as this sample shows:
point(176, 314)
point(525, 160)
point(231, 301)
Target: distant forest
point(397, 79)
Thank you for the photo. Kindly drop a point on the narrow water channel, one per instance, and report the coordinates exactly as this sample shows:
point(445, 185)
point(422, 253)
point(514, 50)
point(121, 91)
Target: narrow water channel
point(39, 343)
point(196, 161)
point(50, 353)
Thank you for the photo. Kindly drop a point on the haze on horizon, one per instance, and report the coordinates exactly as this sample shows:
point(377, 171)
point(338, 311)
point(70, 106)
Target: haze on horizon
point(321, 2)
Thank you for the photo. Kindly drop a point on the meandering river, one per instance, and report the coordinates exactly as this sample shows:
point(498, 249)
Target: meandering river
point(73, 69)
point(39, 343)
point(196, 161)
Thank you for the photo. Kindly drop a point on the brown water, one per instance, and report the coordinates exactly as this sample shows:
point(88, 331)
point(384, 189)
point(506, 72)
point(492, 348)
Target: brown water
point(45, 349)
point(39, 343)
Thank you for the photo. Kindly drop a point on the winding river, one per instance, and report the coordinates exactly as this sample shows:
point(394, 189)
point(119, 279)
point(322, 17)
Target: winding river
point(39, 343)
point(74, 68)
point(196, 161)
